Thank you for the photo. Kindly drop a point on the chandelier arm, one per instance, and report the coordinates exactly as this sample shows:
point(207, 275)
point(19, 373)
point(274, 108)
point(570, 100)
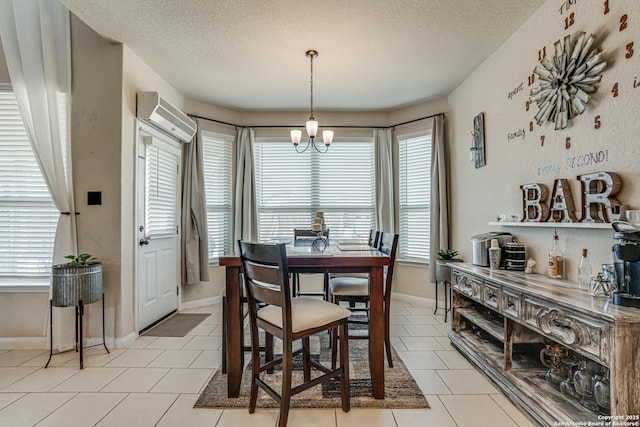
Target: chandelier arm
point(305, 148)
point(320, 151)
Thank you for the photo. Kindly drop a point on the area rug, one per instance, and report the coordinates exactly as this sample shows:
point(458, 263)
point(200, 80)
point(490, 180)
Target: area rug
point(401, 390)
point(178, 325)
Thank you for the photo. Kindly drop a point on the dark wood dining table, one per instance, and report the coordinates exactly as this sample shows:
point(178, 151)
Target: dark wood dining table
point(306, 259)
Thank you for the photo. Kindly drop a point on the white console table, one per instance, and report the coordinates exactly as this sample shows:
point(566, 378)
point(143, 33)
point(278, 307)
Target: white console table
point(501, 320)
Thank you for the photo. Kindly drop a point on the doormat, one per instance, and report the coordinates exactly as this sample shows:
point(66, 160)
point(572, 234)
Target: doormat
point(178, 325)
point(401, 390)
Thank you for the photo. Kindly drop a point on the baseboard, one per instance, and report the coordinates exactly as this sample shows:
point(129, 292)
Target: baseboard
point(24, 343)
point(200, 303)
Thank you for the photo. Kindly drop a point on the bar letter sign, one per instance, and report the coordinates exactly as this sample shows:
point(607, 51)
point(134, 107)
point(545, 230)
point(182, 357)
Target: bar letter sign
point(598, 200)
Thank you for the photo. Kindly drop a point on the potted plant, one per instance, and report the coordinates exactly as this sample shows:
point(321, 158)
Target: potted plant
point(443, 271)
point(80, 279)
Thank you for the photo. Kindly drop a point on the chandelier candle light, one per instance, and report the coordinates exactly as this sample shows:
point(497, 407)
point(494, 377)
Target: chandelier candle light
point(312, 124)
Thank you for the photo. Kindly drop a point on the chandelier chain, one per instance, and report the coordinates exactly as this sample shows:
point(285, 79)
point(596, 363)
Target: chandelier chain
point(311, 85)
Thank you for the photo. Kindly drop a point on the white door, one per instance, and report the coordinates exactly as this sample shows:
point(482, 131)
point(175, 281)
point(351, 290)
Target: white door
point(158, 272)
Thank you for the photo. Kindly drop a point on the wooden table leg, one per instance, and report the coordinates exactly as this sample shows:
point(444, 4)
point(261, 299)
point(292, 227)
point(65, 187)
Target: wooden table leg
point(376, 331)
point(233, 334)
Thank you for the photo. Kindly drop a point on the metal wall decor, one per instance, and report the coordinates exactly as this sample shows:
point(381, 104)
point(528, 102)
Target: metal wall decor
point(476, 153)
point(567, 80)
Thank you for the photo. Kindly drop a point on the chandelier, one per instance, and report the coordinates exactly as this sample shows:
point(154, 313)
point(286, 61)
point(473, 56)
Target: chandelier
point(312, 124)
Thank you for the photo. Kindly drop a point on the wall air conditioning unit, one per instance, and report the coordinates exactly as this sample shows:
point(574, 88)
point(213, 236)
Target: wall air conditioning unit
point(160, 113)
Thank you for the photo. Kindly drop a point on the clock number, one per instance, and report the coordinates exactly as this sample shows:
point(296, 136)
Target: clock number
point(567, 143)
point(542, 53)
point(526, 105)
point(569, 21)
point(596, 122)
point(606, 7)
point(629, 50)
point(623, 22)
point(531, 126)
point(532, 79)
point(542, 140)
point(615, 91)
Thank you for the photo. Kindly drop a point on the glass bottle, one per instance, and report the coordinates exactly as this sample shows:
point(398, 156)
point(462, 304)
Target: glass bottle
point(584, 272)
point(556, 259)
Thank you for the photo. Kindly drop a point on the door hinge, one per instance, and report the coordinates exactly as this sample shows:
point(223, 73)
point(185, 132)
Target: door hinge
point(178, 290)
point(177, 232)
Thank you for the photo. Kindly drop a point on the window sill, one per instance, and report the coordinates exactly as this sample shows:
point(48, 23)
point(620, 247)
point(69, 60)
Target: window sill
point(15, 285)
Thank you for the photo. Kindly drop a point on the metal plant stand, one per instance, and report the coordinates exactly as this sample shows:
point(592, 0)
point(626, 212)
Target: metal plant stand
point(76, 286)
point(79, 346)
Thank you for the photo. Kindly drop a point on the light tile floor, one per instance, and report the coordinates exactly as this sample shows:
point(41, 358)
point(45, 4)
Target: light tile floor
point(156, 381)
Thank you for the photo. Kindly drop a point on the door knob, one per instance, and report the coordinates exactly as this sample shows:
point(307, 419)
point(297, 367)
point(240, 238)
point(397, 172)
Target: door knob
point(144, 242)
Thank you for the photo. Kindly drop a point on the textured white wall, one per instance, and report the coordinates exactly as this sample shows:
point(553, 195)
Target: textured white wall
point(480, 194)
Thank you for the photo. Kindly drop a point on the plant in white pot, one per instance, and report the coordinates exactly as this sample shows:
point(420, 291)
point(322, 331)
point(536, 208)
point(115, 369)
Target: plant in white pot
point(80, 279)
point(443, 271)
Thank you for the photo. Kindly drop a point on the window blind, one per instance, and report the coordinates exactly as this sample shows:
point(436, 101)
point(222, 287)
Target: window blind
point(161, 211)
point(217, 157)
point(415, 197)
point(292, 186)
point(28, 217)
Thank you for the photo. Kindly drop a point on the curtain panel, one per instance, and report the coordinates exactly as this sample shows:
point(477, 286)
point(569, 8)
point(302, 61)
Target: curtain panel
point(195, 236)
point(245, 224)
point(36, 38)
point(385, 200)
point(439, 228)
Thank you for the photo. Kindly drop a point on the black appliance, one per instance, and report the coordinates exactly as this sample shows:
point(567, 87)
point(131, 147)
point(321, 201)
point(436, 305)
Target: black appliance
point(628, 251)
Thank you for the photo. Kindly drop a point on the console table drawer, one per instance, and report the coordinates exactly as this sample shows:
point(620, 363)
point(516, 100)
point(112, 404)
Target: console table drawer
point(468, 285)
point(491, 295)
point(568, 328)
point(511, 304)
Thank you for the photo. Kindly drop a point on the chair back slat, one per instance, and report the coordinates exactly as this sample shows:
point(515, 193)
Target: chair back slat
point(304, 233)
point(374, 237)
point(266, 273)
point(389, 246)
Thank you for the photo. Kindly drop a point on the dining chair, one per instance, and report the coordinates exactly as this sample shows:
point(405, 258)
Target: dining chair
point(356, 290)
point(299, 236)
point(289, 319)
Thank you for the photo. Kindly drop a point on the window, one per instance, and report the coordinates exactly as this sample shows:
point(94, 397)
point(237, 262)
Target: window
point(415, 197)
point(28, 217)
point(292, 186)
point(217, 153)
point(161, 188)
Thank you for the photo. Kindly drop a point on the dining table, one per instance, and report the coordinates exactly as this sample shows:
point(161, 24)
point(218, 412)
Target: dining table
point(307, 258)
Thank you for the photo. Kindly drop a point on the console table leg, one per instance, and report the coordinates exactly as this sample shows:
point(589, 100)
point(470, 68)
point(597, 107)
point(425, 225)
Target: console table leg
point(104, 342)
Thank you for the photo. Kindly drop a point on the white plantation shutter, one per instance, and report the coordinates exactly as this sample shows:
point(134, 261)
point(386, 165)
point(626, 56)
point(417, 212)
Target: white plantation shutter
point(415, 196)
point(28, 216)
point(161, 215)
point(292, 186)
point(217, 157)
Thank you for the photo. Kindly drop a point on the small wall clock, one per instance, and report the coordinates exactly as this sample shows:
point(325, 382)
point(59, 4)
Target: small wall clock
point(567, 79)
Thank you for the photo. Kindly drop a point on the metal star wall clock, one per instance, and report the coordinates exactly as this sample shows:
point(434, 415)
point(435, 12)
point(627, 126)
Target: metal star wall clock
point(567, 80)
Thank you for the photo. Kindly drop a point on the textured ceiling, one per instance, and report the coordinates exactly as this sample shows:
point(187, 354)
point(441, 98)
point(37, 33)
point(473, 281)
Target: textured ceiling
point(249, 54)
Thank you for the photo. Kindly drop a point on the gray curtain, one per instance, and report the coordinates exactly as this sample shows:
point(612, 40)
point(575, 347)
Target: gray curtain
point(439, 228)
point(245, 225)
point(383, 146)
point(195, 237)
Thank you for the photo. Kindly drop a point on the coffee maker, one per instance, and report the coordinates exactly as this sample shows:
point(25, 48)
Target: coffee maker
point(628, 251)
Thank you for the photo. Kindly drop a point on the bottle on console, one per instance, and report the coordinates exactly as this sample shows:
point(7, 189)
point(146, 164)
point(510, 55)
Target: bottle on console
point(556, 259)
point(584, 272)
